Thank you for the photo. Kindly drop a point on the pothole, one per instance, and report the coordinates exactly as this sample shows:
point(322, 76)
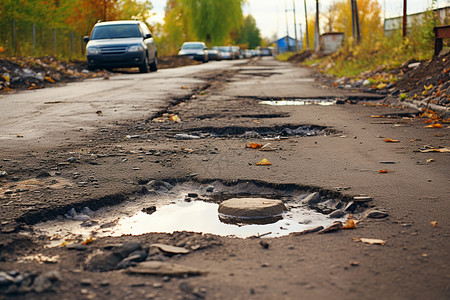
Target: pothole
point(277, 131)
point(190, 206)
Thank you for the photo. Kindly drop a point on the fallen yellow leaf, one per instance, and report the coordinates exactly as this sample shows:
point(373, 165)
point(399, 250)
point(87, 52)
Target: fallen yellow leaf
point(175, 118)
point(430, 160)
point(383, 171)
point(427, 88)
point(264, 162)
point(434, 223)
point(437, 125)
point(381, 86)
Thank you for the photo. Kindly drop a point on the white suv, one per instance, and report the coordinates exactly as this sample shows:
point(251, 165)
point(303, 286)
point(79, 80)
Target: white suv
point(118, 44)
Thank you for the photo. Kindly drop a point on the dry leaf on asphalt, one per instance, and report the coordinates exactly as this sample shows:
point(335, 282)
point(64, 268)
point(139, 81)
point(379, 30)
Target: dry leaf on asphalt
point(383, 171)
point(391, 141)
point(434, 223)
point(264, 162)
point(437, 125)
point(175, 118)
point(350, 224)
point(253, 145)
point(370, 241)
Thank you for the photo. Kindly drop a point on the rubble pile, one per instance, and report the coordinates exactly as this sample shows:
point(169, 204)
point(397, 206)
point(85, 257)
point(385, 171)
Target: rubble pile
point(426, 81)
point(34, 73)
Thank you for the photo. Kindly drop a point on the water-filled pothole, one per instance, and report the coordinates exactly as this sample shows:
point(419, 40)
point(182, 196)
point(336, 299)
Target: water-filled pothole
point(287, 130)
point(195, 207)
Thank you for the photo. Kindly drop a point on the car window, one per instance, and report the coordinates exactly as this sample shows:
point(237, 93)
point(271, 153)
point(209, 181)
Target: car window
point(192, 46)
point(115, 31)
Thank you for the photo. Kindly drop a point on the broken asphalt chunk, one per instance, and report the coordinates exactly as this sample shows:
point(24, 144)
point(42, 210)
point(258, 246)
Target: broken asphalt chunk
point(336, 226)
point(377, 213)
point(164, 269)
point(171, 249)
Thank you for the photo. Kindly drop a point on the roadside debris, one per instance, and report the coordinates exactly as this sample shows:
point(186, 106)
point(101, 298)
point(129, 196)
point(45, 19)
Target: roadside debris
point(434, 223)
point(171, 249)
point(370, 241)
point(21, 283)
point(376, 213)
point(167, 117)
point(427, 149)
point(336, 226)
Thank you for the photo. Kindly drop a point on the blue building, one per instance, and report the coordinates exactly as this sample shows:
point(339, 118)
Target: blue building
point(286, 44)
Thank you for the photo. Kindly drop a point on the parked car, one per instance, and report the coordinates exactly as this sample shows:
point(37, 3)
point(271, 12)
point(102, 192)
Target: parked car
point(227, 52)
point(194, 50)
point(248, 53)
point(214, 53)
point(265, 52)
point(118, 44)
point(237, 52)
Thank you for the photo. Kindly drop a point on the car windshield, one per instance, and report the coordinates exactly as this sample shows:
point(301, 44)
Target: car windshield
point(225, 49)
point(115, 31)
point(192, 46)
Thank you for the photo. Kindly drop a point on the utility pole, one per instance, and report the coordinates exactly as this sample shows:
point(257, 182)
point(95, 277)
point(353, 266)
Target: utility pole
point(306, 22)
point(358, 31)
point(355, 22)
point(295, 27)
point(301, 36)
point(316, 31)
point(405, 19)
point(287, 26)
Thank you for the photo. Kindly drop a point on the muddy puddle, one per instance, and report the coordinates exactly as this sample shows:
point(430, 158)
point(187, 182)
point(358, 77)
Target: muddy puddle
point(191, 207)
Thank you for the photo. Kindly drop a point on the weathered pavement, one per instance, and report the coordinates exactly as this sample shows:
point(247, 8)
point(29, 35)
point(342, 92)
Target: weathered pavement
point(412, 265)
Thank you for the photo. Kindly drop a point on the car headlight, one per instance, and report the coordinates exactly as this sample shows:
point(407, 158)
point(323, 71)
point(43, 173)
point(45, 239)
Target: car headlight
point(92, 50)
point(135, 48)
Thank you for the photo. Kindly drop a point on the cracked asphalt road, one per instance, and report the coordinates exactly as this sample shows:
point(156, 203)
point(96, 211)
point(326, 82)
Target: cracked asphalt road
point(59, 152)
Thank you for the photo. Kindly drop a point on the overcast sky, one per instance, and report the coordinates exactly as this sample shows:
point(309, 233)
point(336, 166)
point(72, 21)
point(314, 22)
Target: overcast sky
point(271, 17)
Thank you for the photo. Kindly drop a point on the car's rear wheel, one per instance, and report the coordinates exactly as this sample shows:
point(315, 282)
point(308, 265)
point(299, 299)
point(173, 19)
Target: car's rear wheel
point(144, 68)
point(154, 65)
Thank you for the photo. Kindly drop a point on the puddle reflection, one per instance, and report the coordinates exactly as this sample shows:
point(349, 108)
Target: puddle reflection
point(199, 216)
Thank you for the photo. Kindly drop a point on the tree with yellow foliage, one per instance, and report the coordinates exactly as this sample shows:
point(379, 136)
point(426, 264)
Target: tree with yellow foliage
point(339, 18)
